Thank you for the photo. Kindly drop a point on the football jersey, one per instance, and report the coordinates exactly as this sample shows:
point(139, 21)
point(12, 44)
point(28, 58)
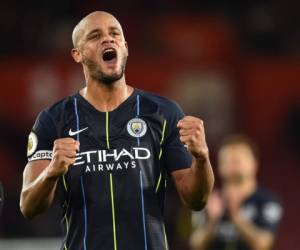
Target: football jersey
point(261, 208)
point(112, 197)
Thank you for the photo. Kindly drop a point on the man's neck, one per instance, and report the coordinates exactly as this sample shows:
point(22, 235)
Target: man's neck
point(249, 187)
point(106, 97)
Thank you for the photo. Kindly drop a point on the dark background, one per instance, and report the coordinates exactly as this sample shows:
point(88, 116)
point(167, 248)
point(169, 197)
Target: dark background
point(235, 64)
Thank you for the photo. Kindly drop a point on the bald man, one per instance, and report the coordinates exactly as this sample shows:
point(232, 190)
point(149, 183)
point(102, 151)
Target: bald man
point(107, 151)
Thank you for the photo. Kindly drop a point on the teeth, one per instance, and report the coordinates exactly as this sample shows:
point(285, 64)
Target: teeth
point(109, 54)
point(109, 50)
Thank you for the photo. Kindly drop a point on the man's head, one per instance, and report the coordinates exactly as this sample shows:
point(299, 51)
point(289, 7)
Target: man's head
point(237, 159)
point(100, 46)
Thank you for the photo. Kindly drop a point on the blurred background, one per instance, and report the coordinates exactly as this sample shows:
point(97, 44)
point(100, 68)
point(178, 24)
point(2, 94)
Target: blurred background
point(235, 64)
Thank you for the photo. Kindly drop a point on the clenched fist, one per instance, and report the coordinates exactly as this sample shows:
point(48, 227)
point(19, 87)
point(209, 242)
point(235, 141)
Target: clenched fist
point(64, 153)
point(192, 134)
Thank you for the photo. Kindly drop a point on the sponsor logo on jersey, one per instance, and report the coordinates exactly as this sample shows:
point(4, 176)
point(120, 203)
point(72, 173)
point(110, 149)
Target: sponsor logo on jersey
point(137, 127)
point(111, 159)
point(32, 143)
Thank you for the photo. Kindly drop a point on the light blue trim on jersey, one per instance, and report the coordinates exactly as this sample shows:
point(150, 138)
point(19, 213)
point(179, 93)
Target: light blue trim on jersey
point(81, 179)
point(143, 209)
point(77, 117)
point(85, 213)
point(138, 105)
point(138, 113)
point(141, 178)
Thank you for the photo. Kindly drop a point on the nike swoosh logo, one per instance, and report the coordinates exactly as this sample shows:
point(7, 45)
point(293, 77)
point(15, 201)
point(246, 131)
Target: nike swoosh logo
point(72, 133)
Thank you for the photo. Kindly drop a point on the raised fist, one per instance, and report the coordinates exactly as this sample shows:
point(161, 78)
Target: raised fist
point(192, 134)
point(63, 155)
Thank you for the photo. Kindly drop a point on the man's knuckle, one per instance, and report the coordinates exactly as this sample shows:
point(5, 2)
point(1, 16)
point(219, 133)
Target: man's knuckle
point(198, 132)
point(199, 126)
point(55, 155)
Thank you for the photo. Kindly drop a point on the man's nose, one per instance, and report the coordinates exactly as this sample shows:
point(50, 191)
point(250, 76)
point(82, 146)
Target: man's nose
point(107, 39)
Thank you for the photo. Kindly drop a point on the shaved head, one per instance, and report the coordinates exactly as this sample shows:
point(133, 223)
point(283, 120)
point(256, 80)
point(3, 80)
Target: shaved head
point(79, 29)
point(100, 46)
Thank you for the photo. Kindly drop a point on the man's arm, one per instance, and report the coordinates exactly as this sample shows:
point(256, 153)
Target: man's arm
point(205, 228)
point(38, 189)
point(40, 177)
point(257, 239)
point(195, 183)
point(203, 235)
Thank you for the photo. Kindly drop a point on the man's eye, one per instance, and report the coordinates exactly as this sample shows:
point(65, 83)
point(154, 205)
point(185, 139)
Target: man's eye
point(95, 36)
point(115, 33)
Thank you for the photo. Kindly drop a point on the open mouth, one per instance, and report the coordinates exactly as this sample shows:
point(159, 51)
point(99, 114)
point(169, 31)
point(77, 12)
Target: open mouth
point(109, 54)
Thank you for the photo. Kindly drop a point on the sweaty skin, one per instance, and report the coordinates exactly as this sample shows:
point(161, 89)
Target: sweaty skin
point(106, 89)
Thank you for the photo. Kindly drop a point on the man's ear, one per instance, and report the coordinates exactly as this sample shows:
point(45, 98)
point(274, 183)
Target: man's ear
point(76, 55)
point(126, 45)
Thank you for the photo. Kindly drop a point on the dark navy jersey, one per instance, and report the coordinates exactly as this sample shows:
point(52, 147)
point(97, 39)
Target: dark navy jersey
point(113, 196)
point(261, 208)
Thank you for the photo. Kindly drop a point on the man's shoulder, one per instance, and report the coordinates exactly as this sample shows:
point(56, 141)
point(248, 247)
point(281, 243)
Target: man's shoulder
point(269, 205)
point(56, 109)
point(166, 104)
point(265, 195)
point(266, 200)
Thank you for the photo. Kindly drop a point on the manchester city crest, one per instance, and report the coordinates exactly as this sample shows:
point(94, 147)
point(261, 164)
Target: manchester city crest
point(137, 127)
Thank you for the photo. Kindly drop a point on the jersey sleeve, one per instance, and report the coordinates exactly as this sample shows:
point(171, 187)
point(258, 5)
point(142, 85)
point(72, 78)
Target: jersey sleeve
point(271, 214)
point(176, 155)
point(41, 138)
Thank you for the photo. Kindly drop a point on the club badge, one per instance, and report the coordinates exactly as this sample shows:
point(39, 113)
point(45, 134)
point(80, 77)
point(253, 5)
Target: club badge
point(137, 127)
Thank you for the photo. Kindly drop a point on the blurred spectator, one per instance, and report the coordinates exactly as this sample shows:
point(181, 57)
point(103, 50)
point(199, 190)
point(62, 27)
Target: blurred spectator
point(241, 215)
